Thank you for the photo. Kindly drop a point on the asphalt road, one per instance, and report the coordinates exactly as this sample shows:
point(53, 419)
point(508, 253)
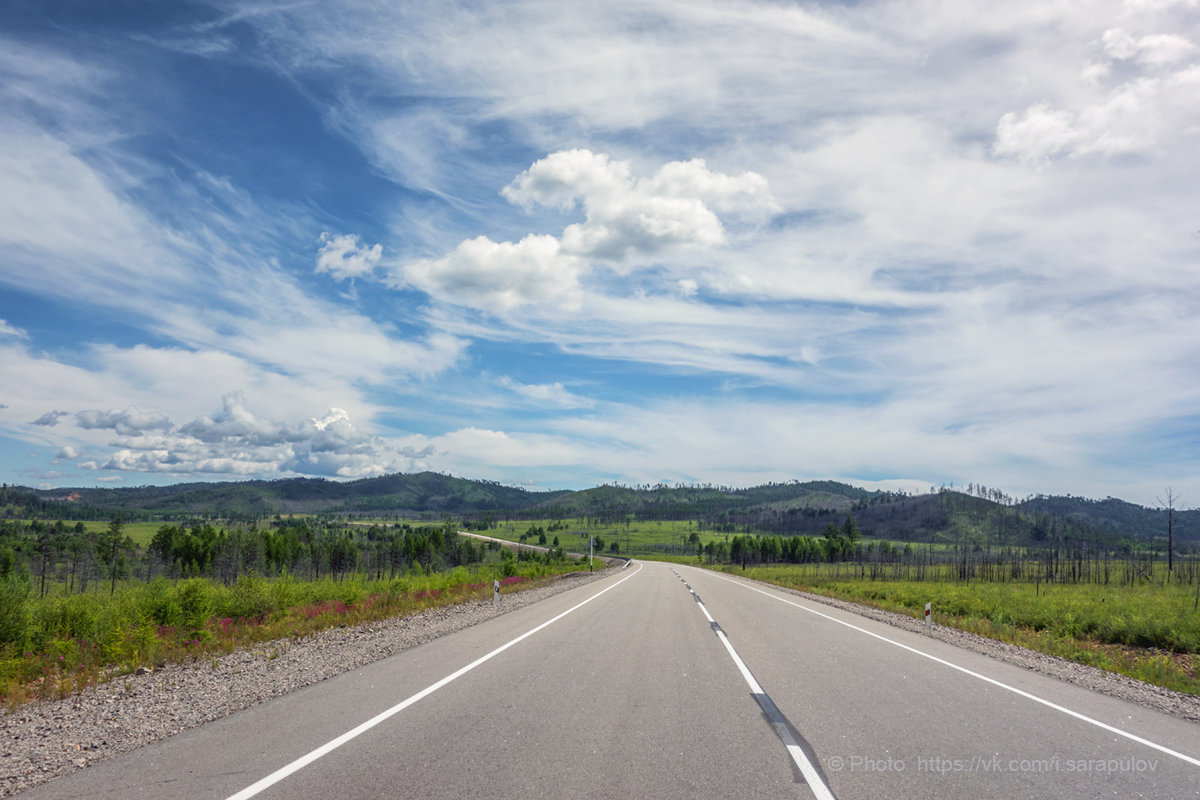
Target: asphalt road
point(636, 693)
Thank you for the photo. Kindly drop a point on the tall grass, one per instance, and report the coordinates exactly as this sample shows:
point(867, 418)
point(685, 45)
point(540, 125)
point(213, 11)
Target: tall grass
point(55, 646)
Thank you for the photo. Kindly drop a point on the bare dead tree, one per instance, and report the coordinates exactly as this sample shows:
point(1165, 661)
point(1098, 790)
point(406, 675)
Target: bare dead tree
point(1169, 505)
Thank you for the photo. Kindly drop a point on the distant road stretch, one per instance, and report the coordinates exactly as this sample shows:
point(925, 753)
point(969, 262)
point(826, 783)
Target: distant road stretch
point(537, 548)
point(667, 681)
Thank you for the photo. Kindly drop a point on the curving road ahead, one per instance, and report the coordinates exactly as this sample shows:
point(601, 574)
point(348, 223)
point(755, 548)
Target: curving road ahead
point(671, 682)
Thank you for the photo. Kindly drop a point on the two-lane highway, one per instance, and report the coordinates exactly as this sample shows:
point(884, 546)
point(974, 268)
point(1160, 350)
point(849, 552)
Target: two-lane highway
point(669, 681)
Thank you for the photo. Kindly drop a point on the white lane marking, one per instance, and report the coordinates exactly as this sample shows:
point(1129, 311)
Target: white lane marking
point(302, 762)
point(811, 776)
point(973, 674)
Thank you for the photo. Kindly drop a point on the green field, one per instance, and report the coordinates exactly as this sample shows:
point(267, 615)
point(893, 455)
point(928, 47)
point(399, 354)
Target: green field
point(1150, 632)
point(140, 532)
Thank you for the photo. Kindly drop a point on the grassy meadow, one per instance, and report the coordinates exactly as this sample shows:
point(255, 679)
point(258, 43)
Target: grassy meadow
point(140, 532)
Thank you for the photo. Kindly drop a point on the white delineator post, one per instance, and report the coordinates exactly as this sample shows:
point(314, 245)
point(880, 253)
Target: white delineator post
point(495, 592)
point(928, 615)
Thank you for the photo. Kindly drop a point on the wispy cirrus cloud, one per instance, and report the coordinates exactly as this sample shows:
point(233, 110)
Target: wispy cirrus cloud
point(552, 394)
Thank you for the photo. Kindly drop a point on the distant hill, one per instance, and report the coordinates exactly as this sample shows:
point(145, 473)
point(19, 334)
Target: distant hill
point(710, 503)
point(418, 492)
point(1118, 516)
point(780, 508)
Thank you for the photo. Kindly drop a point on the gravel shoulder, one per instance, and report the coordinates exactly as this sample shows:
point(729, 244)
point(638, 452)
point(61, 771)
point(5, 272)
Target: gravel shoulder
point(42, 741)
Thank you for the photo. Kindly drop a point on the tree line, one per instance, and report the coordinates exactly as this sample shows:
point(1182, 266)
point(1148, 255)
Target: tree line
point(1059, 560)
point(77, 559)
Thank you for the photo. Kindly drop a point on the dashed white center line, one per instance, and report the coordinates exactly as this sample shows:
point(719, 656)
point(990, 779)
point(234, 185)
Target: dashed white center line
point(811, 776)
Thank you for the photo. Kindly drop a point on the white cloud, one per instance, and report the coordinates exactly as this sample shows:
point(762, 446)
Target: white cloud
point(548, 394)
point(746, 193)
point(1036, 135)
point(130, 422)
point(182, 381)
point(64, 226)
point(9, 330)
point(238, 442)
point(68, 453)
point(236, 422)
point(1155, 50)
point(628, 217)
point(561, 179)
point(345, 257)
point(477, 451)
point(1150, 102)
point(498, 276)
point(51, 418)
point(861, 226)
point(628, 220)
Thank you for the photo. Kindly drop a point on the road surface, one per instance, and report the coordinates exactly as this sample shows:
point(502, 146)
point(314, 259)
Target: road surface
point(667, 681)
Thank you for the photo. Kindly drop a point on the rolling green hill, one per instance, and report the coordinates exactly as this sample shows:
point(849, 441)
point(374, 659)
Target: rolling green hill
point(779, 508)
point(418, 492)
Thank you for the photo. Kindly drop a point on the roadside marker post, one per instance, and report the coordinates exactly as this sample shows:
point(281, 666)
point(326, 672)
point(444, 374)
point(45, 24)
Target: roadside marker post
point(928, 616)
point(495, 592)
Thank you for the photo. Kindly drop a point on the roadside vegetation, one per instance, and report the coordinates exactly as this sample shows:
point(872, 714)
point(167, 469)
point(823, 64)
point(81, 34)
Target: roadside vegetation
point(1100, 582)
point(80, 604)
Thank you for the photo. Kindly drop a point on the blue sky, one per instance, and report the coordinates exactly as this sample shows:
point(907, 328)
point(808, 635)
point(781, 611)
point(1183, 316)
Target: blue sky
point(558, 244)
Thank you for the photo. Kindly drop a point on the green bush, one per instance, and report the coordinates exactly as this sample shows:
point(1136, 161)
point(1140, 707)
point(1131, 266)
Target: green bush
point(287, 592)
point(250, 598)
point(14, 614)
point(161, 603)
point(74, 617)
point(351, 592)
point(195, 599)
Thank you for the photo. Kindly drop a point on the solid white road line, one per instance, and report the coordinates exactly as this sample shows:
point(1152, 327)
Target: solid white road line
point(973, 674)
point(811, 776)
point(302, 762)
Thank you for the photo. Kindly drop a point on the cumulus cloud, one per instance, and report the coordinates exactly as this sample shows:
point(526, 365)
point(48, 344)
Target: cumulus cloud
point(236, 422)
point(346, 257)
point(130, 422)
point(627, 220)
point(236, 441)
point(1153, 91)
point(499, 275)
point(1156, 50)
point(1037, 134)
point(51, 418)
point(627, 217)
point(68, 453)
